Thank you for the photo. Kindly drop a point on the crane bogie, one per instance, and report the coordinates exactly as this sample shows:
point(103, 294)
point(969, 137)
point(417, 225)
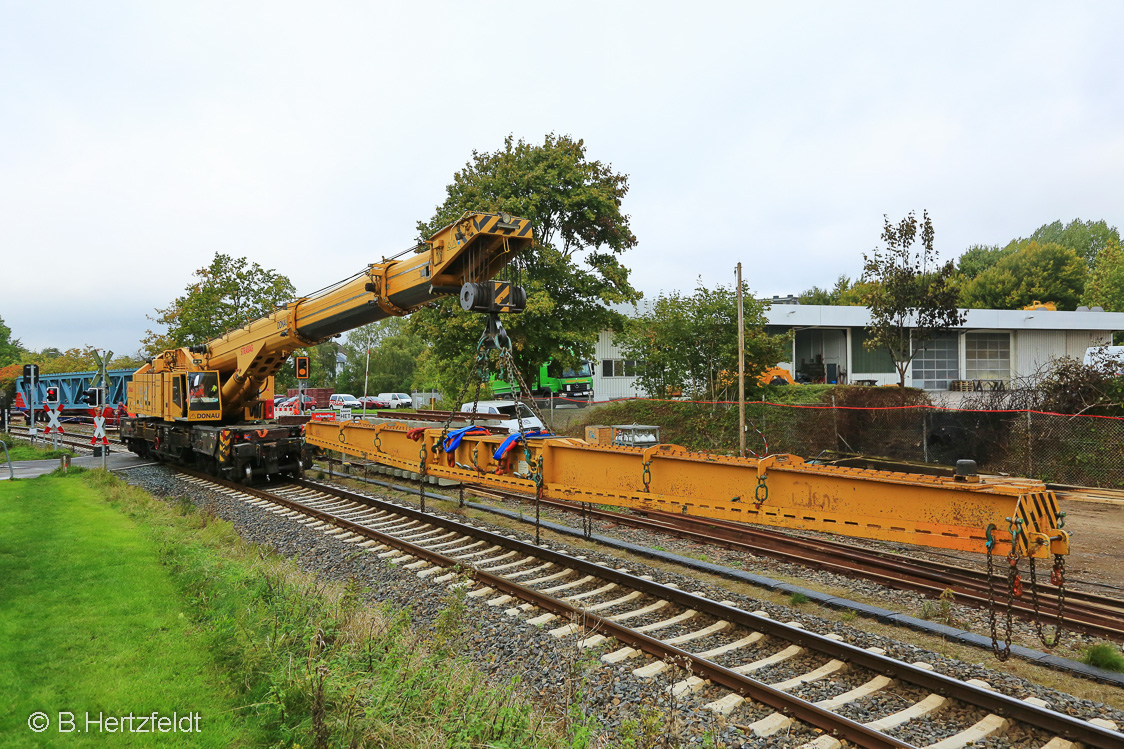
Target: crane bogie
point(183, 401)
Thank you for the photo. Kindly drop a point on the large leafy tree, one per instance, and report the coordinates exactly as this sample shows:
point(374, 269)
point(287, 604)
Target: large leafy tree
point(572, 274)
point(913, 297)
point(689, 344)
point(226, 294)
point(1030, 272)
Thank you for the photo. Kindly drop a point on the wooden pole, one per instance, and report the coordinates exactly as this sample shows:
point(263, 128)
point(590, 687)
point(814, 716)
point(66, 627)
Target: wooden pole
point(741, 368)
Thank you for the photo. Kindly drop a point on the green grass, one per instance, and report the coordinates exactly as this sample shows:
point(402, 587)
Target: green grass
point(90, 621)
point(1105, 655)
point(111, 600)
point(20, 450)
point(797, 598)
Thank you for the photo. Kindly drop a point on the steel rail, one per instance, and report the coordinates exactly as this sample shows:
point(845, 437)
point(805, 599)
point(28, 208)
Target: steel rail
point(1097, 615)
point(826, 720)
point(1050, 721)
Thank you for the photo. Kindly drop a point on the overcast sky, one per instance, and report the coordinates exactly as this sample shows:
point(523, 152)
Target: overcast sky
point(137, 139)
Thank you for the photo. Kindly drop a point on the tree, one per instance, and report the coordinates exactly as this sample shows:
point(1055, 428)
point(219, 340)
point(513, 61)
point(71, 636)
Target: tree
point(845, 292)
point(394, 354)
point(690, 343)
point(981, 257)
point(321, 368)
point(1032, 271)
point(1105, 286)
point(572, 274)
point(913, 299)
point(10, 349)
point(1086, 238)
point(227, 294)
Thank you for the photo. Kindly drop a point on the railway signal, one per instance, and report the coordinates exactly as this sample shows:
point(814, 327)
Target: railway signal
point(302, 367)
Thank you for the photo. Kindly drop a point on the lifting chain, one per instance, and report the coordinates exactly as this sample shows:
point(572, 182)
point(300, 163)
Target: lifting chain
point(1057, 578)
point(646, 476)
point(510, 372)
point(587, 519)
point(761, 493)
point(1014, 587)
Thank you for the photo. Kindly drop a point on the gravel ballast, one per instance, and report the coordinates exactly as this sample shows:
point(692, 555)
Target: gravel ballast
point(556, 672)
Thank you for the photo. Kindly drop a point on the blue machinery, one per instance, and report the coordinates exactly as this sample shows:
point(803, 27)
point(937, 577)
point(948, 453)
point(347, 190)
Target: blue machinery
point(73, 385)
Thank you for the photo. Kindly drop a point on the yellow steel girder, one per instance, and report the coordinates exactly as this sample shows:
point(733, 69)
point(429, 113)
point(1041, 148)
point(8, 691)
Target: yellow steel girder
point(778, 490)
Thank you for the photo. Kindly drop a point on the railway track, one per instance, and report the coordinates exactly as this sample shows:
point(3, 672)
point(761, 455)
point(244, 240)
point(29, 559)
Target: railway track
point(67, 441)
point(1090, 613)
point(764, 675)
point(1086, 612)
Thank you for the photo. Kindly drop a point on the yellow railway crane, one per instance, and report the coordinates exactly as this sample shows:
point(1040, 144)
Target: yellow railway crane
point(210, 405)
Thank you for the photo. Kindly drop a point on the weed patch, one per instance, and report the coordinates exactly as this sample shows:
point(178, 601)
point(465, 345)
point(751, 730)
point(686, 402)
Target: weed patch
point(1104, 655)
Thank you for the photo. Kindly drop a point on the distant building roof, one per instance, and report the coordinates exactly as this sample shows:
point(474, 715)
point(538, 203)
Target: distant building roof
point(828, 316)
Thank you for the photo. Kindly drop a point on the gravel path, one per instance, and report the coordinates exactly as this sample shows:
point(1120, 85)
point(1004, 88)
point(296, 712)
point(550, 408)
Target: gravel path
point(557, 673)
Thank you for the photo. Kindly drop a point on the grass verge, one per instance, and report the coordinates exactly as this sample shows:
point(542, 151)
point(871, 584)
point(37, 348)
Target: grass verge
point(20, 450)
point(159, 606)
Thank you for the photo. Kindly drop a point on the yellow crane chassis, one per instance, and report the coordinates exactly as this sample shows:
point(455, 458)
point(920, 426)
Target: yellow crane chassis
point(778, 490)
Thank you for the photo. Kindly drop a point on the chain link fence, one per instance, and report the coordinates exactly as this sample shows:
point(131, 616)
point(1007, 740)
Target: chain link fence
point(1055, 448)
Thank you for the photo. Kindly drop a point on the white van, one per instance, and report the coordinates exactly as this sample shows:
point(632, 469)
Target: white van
point(1109, 357)
point(397, 400)
point(506, 410)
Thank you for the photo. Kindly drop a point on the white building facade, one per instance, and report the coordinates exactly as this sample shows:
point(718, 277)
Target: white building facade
point(992, 348)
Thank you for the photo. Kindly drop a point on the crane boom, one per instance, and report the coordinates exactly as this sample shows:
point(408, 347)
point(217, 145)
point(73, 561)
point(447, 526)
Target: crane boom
point(229, 380)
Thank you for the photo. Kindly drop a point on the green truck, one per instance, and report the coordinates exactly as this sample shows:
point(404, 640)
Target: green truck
point(567, 385)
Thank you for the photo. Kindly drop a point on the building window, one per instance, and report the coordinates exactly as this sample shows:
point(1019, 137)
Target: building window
point(938, 364)
point(619, 368)
point(987, 356)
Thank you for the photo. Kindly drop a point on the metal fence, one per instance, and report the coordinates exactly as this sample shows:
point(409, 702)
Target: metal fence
point(1056, 448)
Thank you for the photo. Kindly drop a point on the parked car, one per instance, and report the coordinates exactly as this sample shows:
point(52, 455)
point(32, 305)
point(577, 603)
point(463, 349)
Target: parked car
point(397, 400)
point(344, 400)
point(507, 413)
point(370, 401)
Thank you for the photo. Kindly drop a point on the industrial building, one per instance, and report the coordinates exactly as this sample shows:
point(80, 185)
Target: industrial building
point(992, 348)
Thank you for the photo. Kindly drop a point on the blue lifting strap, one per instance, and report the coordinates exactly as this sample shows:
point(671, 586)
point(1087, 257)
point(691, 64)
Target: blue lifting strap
point(453, 441)
point(508, 443)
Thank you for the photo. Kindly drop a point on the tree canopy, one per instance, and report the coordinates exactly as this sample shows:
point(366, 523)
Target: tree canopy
point(393, 361)
point(1105, 286)
point(572, 274)
point(912, 297)
point(10, 348)
point(1086, 238)
point(227, 293)
point(845, 292)
point(689, 344)
point(1030, 271)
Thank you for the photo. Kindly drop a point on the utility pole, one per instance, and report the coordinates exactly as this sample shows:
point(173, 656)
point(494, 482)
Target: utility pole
point(367, 371)
point(741, 368)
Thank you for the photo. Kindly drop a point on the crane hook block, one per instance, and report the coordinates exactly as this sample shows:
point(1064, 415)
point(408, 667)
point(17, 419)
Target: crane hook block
point(493, 296)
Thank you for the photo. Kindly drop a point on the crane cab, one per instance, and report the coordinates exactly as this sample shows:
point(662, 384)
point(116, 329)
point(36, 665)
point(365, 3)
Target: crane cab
point(176, 395)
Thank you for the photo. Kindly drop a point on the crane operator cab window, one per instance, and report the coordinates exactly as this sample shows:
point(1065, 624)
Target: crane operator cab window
point(203, 391)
